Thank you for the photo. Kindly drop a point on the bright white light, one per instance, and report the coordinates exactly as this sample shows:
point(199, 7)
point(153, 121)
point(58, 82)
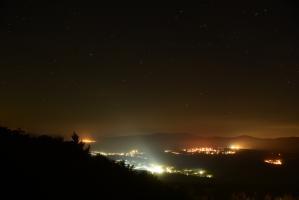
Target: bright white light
point(144, 164)
point(156, 169)
point(209, 176)
point(170, 170)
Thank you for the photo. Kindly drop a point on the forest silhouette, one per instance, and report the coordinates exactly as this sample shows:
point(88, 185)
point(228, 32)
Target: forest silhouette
point(44, 167)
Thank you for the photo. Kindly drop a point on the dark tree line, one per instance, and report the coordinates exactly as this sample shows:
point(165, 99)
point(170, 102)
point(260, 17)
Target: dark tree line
point(44, 167)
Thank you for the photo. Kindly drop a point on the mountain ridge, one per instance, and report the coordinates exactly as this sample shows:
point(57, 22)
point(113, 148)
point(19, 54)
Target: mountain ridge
point(180, 140)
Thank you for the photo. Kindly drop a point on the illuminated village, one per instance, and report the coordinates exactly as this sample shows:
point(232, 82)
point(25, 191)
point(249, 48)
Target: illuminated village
point(141, 162)
point(206, 150)
point(274, 161)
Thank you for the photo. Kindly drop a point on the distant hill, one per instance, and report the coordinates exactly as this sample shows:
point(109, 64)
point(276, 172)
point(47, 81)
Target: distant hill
point(45, 168)
point(162, 141)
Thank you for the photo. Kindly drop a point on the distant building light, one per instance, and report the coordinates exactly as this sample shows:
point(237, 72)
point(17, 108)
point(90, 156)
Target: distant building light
point(88, 141)
point(202, 172)
point(143, 164)
point(274, 162)
point(210, 176)
point(206, 150)
point(156, 169)
point(235, 147)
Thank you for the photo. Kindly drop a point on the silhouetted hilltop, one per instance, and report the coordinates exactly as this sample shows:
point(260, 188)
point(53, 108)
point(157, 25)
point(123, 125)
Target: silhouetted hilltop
point(162, 141)
point(52, 168)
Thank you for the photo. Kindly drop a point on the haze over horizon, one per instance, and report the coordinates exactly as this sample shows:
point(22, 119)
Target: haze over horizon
point(213, 69)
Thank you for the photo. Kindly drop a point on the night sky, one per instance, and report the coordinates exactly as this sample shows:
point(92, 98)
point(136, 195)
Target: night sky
point(222, 68)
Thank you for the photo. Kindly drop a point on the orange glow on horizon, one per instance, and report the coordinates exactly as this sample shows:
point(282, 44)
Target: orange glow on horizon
point(235, 147)
point(88, 141)
point(274, 162)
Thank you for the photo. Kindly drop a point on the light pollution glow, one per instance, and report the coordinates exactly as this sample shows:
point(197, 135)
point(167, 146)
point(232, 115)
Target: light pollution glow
point(88, 141)
point(145, 164)
point(274, 161)
point(153, 168)
point(207, 150)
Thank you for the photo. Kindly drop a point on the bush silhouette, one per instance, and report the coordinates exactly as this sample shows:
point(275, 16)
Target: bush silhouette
point(51, 168)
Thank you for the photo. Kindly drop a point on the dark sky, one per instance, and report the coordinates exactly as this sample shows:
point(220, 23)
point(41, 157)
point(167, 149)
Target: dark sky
point(213, 68)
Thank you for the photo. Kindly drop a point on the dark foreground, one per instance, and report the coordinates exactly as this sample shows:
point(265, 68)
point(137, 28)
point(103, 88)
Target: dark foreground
point(52, 168)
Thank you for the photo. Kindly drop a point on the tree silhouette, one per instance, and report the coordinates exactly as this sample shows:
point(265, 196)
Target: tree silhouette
point(76, 138)
point(49, 168)
point(44, 167)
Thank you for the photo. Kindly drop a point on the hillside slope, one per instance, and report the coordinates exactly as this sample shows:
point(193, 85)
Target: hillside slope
point(51, 168)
